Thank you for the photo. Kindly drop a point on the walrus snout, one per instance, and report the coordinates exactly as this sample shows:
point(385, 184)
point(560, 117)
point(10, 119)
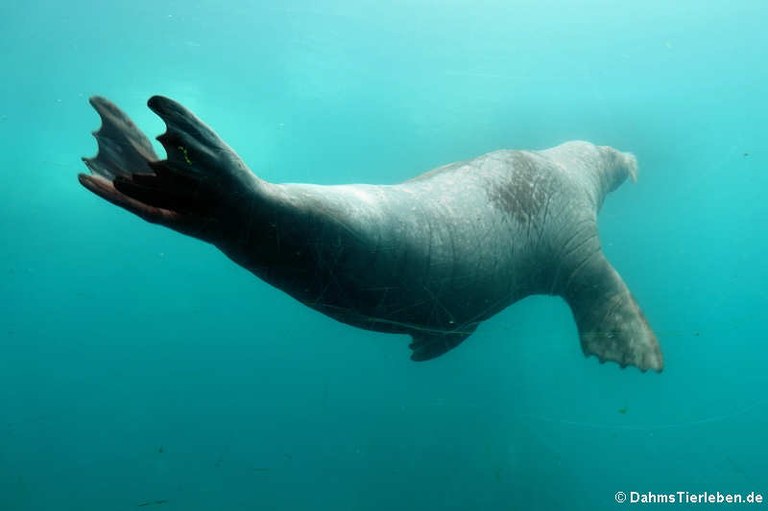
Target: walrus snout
point(613, 167)
point(625, 163)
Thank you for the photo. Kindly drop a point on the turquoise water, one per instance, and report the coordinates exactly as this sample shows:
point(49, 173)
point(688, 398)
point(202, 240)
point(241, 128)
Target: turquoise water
point(143, 368)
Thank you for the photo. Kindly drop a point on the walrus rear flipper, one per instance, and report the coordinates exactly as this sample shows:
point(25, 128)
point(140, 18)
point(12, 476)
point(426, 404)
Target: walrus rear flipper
point(123, 149)
point(185, 190)
point(610, 322)
point(428, 345)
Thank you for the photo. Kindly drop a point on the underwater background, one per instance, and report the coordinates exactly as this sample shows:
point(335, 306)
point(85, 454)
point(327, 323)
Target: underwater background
point(141, 368)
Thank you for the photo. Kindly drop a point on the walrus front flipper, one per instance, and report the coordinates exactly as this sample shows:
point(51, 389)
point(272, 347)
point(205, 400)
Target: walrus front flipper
point(429, 345)
point(611, 324)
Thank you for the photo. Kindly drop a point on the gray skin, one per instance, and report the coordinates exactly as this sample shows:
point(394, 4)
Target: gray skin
point(432, 257)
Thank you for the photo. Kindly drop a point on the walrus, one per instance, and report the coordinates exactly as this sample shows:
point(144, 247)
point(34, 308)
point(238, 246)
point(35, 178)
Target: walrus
point(432, 257)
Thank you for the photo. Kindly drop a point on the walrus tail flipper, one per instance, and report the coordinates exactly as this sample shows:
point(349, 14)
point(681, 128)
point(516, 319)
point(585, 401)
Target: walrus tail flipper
point(610, 322)
point(429, 345)
point(183, 191)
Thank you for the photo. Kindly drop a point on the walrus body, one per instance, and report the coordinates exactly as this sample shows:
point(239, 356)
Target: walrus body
point(432, 257)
